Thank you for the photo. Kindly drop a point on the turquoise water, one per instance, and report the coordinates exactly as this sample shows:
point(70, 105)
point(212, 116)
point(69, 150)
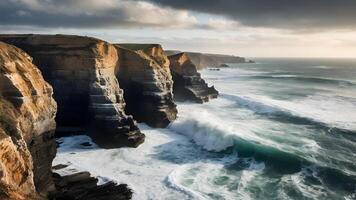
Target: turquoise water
point(297, 117)
point(280, 129)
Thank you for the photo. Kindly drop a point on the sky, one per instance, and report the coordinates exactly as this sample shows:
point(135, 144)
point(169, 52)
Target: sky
point(249, 28)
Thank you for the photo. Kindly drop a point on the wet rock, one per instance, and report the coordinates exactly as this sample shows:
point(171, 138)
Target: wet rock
point(81, 186)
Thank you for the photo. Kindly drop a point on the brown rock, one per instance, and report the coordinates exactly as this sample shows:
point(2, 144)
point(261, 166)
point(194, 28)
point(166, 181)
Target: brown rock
point(82, 73)
point(144, 73)
point(27, 112)
point(188, 84)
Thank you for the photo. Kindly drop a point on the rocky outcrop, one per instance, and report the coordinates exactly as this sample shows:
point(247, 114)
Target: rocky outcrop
point(188, 84)
point(81, 186)
point(144, 74)
point(204, 60)
point(27, 125)
point(82, 73)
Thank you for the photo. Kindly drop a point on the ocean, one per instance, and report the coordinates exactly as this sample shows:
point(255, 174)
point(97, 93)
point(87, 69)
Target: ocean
point(280, 129)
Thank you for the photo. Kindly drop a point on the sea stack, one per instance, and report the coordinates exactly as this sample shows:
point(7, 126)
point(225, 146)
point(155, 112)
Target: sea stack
point(27, 126)
point(82, 73)
point(144, 74)
point(188, 84)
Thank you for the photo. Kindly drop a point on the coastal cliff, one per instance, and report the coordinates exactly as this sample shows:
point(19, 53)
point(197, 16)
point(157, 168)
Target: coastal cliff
point(204, 60)
point(82, 73)
point(188, 84)
point(27, 126)
point(144, 74)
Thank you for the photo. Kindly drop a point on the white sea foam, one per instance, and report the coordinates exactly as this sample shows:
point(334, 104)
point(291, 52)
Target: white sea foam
point(328, 108)
point(169, 166)
point(144, 169)
point(284, 76)
point(322, 67)
point(332, 111)
point(205, 129)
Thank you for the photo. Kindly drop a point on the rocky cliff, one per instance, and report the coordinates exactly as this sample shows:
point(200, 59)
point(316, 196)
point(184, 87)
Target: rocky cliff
point(144, 73)
point(27, 124)
point(188, 84)
point(82, 73)
point(203, 60)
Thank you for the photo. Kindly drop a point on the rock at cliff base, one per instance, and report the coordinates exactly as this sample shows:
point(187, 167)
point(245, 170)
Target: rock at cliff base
point(188, 84)
point(81, 186)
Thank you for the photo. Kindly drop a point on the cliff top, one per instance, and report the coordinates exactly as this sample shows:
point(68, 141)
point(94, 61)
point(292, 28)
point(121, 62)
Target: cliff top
point(181, 58)
point(9, 53)
point(136, 47)
point(56, 39)
point(174, 52)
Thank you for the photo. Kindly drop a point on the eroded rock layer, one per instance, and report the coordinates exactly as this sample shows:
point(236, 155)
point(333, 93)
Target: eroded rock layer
point(82, 73)
point(188, 84)
point(27, 125)
point(144, 74)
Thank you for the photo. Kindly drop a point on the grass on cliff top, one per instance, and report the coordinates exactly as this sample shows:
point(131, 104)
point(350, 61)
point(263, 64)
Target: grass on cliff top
point(136, 47)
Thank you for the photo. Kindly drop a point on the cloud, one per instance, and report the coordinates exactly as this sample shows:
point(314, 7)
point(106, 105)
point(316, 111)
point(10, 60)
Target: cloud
point(91, 14)
point(309, 15)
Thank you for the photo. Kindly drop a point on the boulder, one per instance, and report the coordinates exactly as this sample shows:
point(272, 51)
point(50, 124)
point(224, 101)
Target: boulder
point(81, 186)
point(82, 73)
point(188, 84)
point(144, 74)
point(27, 126)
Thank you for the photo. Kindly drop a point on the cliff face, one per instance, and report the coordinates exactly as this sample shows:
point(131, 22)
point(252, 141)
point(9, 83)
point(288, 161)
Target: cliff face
point(27, 125)
point(188, 84)
point(203, 60)
point(82, 73)
point(144, 73)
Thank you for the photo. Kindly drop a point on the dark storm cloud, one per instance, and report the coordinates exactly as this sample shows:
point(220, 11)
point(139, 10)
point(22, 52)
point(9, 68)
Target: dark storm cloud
point(89, 13)
point(14, 12)
point(289, 14)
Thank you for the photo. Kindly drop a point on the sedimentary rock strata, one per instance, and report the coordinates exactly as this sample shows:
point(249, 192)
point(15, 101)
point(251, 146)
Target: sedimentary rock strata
point(27, 125)
point(188, 84)
point(82, 73)
point(144, 74)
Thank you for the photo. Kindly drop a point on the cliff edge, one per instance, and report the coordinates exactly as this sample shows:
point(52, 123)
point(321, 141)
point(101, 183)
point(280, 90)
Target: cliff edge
point(27, 126)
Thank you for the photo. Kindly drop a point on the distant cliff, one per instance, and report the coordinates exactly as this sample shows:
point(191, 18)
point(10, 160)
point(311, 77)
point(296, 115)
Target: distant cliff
point(82, 73)
point(188, 84)
point(27, 126)
point(203, 60)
